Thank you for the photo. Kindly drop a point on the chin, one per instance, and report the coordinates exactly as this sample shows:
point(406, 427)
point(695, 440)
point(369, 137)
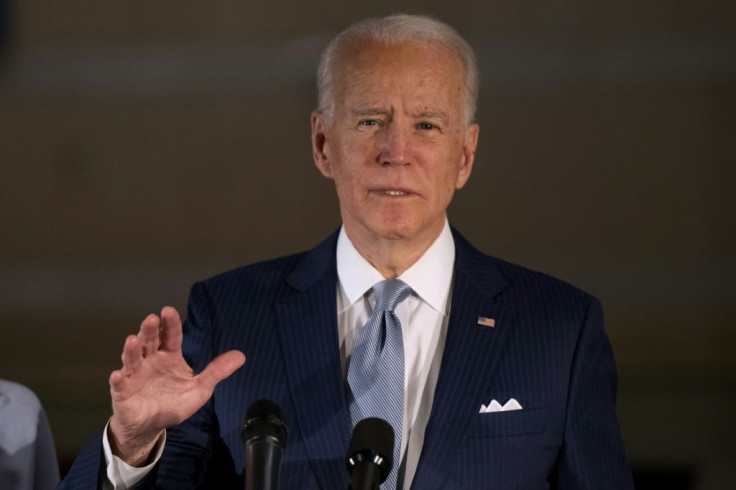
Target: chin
point(390, 225)
point(395, 230)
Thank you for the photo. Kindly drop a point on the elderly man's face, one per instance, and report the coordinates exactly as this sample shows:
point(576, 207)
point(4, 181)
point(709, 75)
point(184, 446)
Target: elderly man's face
point(397, 144)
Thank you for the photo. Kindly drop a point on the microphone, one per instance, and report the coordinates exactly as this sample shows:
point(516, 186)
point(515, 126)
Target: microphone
point(264, 436)
point(370, 454)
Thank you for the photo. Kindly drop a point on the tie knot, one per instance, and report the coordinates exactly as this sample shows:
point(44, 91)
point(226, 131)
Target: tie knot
point(389, 293)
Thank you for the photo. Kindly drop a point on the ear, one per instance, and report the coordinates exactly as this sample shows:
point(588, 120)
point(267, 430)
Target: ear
point(320, 146)
point(468, 158)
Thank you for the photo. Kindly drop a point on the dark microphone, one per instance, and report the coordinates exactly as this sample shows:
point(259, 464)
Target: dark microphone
point(371, 453)
point(264, 436)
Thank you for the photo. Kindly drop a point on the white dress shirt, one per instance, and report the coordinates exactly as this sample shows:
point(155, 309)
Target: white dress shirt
point(423, 316)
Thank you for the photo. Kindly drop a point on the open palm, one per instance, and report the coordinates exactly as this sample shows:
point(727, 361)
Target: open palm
point(156, 388)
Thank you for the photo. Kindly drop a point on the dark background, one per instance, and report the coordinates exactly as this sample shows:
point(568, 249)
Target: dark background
point(145, 145)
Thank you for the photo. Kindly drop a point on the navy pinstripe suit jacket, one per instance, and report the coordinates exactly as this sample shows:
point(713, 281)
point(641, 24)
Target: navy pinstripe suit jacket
point(548, 350)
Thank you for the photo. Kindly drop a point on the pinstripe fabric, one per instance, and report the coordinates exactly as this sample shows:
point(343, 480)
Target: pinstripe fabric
point(548, 350)
point(376, 373)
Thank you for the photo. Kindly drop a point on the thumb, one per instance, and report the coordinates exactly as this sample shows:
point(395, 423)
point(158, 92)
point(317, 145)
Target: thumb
point(221, 367)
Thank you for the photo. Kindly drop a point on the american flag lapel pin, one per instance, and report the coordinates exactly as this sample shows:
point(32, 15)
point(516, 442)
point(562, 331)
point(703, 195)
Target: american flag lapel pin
point(486, 322)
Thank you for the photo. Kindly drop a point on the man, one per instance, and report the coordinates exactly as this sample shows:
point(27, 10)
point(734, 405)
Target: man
point(394, 130)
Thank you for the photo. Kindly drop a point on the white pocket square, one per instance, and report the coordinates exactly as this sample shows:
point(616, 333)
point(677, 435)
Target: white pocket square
point(494, 406)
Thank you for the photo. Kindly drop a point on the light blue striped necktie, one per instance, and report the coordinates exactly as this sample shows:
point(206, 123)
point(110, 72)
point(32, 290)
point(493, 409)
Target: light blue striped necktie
point(376, 371)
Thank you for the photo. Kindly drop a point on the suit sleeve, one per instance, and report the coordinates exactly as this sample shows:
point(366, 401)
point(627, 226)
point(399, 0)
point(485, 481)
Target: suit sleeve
point(592, 455)
point(87, 471)
point(194, 455)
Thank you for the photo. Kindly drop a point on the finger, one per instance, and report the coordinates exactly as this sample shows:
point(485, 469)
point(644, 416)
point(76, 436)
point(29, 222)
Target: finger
point(149, 334)
point(117, 379)
point(132, 355)
point(220, 368)
point(171, 330)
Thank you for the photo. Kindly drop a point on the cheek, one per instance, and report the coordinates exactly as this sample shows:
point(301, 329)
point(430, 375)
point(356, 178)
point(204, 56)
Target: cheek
point(353, 166)
point(451, 174)
point(347, 181)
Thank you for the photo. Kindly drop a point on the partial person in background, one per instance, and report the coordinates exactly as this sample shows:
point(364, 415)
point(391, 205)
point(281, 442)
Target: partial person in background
point(491, 375)
point(27, 453)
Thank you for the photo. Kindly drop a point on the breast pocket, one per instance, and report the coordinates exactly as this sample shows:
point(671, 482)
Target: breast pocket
point(511, 423)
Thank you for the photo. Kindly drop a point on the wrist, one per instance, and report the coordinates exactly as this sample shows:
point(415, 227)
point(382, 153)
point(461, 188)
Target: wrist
point(135, 450)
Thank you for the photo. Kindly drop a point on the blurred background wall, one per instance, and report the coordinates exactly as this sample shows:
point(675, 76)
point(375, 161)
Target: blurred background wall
point(145, 145)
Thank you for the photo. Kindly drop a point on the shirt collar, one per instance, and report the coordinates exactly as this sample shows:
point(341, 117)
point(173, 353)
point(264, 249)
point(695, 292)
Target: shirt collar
point(430, 277)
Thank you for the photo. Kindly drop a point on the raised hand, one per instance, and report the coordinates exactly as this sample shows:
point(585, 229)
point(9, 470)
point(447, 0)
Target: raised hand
point(156, 388)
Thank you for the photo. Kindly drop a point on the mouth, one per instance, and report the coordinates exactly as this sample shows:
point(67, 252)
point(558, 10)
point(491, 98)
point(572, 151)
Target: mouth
point(393, 192)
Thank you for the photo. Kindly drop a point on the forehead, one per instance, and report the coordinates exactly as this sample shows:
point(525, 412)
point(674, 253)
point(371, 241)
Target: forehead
point(417, 73)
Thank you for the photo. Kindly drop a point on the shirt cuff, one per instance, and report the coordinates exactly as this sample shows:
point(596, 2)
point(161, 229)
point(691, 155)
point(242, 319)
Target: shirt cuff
point(120, 475)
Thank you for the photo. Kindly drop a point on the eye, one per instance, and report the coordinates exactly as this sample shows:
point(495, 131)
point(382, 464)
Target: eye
point(425, 126)
point(367, 122)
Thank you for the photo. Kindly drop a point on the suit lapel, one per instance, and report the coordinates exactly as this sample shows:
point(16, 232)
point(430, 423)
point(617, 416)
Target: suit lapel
point(307, 322)
point(468, 363)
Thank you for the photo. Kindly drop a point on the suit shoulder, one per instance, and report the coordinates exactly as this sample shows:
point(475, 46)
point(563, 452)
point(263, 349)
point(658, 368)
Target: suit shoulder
point(259, 275)
point(547, 300)
point(493, 274)
point(526, 277)
point(524, 286)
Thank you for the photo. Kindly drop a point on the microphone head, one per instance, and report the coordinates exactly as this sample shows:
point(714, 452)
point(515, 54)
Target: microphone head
point(372, 441)
point(264, 419)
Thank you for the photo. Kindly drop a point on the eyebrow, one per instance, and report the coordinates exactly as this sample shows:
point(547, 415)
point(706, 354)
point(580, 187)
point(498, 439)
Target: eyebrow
point(368, 111)
point(432, 115)
point(371, 111)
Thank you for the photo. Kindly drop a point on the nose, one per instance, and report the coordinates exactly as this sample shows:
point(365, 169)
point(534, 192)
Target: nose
point(396, 146)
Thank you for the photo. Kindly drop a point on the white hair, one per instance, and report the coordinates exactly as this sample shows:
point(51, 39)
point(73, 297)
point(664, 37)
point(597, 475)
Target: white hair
point(392, 30)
